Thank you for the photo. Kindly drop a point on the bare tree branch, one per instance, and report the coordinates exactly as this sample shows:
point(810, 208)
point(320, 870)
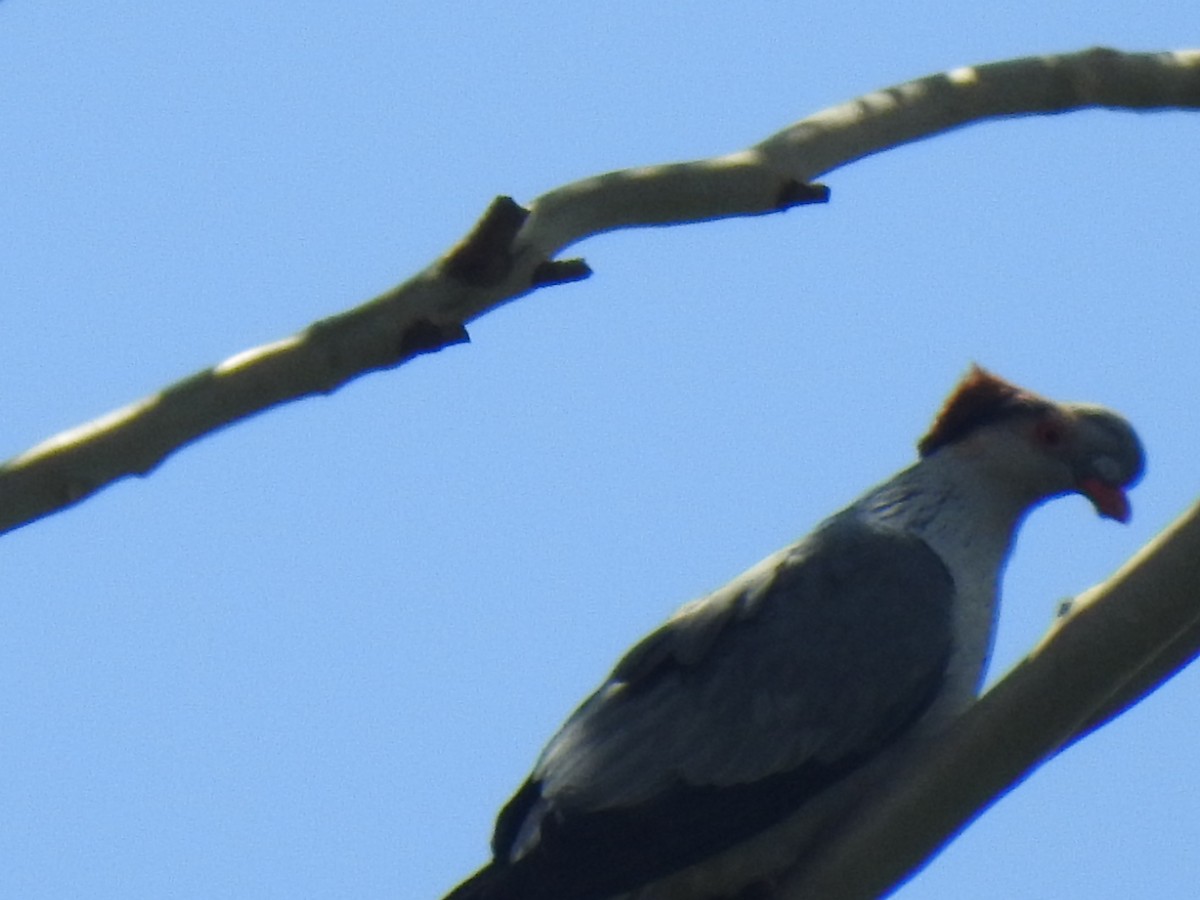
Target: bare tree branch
point(512, 251)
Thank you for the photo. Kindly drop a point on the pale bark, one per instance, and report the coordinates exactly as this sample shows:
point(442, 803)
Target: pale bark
point(513, 250)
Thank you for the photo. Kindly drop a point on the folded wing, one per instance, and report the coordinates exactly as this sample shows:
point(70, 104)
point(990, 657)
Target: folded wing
point(727, 719)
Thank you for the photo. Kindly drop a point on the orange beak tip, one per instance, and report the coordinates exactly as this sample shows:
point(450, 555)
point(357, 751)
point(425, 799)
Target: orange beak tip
point(1110, 500)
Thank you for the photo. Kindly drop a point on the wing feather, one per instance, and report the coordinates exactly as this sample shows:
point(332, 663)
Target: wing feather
point(741, 707)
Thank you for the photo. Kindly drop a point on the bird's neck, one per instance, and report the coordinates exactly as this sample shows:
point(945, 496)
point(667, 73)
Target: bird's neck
point(968, 520)
point(970, 525)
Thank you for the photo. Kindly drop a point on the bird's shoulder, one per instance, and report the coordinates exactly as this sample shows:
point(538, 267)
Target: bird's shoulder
point(849, 569)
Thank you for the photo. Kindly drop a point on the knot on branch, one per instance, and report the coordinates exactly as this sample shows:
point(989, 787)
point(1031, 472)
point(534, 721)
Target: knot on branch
point(484, 257)
point(559, 271)
point(800, 193)
point(424, 336)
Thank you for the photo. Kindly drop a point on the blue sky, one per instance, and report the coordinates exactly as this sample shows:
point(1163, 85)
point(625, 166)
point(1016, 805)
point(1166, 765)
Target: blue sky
point(311, 655)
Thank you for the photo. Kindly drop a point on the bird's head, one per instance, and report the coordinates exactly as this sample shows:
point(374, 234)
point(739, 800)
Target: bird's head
point(1038, 448)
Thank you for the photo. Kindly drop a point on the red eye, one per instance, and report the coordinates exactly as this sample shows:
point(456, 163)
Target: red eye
point(1048, 433)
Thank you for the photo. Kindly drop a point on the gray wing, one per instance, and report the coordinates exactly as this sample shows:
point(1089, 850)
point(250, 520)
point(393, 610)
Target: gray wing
point(736, 711)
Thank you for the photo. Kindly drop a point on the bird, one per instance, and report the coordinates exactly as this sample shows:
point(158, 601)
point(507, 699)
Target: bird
point(738, 737)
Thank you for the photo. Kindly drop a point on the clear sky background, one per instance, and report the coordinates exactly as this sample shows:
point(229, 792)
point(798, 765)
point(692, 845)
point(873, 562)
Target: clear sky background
point(312, 655)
